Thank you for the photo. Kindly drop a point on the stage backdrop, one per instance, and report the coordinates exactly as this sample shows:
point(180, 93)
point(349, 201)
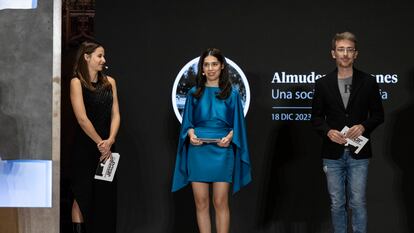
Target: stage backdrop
point(281, 47)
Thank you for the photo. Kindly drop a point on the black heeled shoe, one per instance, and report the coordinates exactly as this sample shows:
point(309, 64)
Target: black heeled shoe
point(78, 227)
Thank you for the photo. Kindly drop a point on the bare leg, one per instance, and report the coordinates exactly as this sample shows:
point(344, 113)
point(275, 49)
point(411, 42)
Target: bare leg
point(201, 199)
point(76, 213)
point(221, 205)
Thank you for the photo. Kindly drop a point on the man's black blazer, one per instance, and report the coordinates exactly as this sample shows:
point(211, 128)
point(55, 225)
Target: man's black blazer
point(328, 111)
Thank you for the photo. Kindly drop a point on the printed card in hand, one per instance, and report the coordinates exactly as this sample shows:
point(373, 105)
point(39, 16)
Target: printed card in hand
point(357, 143)
point(106, 169)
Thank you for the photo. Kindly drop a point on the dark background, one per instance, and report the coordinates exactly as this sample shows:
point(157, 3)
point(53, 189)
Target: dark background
point(148, 42)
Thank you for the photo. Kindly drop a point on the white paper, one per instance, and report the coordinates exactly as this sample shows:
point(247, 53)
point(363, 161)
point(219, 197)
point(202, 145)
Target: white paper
point(358, 142)
point(106, 170)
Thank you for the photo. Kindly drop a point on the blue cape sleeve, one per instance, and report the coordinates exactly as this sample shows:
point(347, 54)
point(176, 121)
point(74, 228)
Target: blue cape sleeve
point(180, 178)
point(242, 169)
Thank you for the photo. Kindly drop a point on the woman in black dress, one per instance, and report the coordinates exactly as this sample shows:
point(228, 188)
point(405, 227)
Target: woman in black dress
point(95, 104)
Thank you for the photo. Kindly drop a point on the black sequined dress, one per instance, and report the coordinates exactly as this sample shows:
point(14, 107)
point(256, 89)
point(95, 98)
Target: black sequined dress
point(96, 198)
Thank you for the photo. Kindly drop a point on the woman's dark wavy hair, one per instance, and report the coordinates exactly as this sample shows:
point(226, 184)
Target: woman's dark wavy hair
point(80, 68)
point(224, 80)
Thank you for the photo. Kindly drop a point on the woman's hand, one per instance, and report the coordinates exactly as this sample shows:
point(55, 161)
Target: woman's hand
point(105, 156)
point(225, 142)
point(104, 146)
point(193, 138)
point(195, 141)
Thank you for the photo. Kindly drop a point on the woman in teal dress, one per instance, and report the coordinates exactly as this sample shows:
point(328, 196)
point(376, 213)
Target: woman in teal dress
point(212, 147)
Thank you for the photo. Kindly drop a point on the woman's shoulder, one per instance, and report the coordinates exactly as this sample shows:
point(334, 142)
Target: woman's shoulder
point(75, 81)
point(110, 79)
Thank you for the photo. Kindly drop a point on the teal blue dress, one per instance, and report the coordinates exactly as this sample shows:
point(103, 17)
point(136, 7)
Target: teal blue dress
point(211, 117)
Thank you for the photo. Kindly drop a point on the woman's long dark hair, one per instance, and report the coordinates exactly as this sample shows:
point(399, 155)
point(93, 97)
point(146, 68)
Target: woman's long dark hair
point(224, 80)
point(80, 68)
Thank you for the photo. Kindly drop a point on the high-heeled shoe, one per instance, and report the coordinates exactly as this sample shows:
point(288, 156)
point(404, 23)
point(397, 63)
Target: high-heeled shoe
point(78, 227)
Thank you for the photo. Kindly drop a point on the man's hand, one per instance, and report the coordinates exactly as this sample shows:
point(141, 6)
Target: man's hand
point(355, 131)
point(336, 136)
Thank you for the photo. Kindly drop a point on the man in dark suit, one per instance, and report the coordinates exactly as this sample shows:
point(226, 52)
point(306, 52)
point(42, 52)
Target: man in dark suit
point(346, 97)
